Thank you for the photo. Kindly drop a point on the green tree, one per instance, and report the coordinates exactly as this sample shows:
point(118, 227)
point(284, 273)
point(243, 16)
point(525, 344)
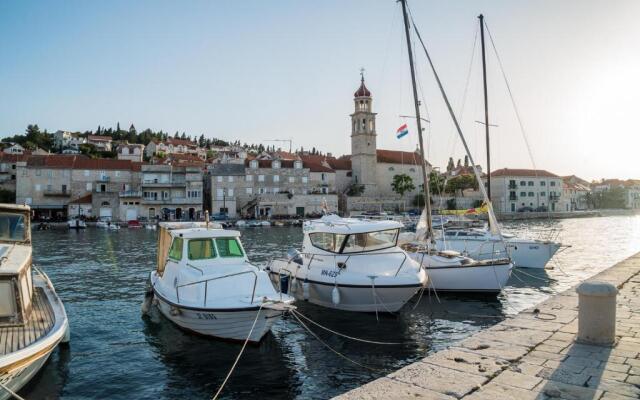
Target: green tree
point(461, 182)
point(355, 190)
point(402, 183)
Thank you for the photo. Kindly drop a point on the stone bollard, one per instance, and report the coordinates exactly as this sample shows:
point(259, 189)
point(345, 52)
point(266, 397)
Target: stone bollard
point(596, 313)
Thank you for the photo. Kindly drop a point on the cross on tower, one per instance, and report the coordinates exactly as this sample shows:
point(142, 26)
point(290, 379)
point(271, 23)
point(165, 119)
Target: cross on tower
point(362, 74)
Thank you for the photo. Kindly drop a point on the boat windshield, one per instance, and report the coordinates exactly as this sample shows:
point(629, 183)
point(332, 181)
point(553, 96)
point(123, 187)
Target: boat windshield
point(369, 241)
point(354, 243)
point(229, 247)
point(12, 227)
point(205, 249)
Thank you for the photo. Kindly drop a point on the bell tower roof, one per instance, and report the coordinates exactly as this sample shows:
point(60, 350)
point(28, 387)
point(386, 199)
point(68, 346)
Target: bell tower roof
point(362, 90)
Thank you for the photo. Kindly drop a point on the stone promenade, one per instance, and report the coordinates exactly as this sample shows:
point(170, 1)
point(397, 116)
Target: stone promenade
point(531, 356)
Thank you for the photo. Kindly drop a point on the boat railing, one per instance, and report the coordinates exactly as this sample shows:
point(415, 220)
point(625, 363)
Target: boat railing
point(196, 268)
point(206, 284)
point(501, 251)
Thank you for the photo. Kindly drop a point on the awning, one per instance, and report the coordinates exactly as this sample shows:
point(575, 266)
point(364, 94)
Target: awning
point(48, 207)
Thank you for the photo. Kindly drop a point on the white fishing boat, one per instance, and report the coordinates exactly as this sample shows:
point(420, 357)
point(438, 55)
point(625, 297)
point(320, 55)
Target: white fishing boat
point(32, 317)
point(349, 264)
point(150, 226)
point(241, 223)
point(482, 245)
point(204, 283)
point(103, 223)
point(76, 223)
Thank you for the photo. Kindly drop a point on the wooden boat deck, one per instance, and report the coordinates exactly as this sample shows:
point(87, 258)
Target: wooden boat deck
point(14, 338)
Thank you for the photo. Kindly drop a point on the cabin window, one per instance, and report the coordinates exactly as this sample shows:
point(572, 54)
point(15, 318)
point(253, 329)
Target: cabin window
point(371, 241)
point(229, 247)
point(175, 253)
point(327, 241)
point(7, 299)
point(12, 227)
point(201, 249)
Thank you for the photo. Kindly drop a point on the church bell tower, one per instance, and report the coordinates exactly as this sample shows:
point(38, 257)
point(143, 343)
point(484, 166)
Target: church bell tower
point(363, 140)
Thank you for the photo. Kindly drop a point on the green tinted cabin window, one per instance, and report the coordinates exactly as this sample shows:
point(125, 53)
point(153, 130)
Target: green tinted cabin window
point(175, 253)
point(201, 249)
point(229, 247)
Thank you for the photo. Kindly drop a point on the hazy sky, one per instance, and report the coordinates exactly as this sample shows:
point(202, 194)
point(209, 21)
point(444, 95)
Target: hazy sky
point(256, 70)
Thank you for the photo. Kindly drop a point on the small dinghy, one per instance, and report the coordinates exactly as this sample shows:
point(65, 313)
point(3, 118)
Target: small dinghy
point(204, 283)
point(350, 264)
point(32, 317)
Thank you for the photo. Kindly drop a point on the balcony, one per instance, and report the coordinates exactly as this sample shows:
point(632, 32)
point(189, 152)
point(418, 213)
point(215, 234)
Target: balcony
point(103, 179)
point(554, 197)
point(513, 197)
point(513, 186)
point(156, 183)
point(173, 200)
point(130, 193)
point(57, 193)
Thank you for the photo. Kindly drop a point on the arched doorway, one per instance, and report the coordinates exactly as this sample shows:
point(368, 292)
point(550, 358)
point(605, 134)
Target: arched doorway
point(105, 212)
point(178, 213)
point(192, 214)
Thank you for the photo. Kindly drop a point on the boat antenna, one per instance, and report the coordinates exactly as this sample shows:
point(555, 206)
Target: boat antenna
point(493, 223)
point(427, 198)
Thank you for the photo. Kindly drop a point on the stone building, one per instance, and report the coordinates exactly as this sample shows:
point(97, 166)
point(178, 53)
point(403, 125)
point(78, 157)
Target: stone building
point(130, 151)
point(50, 183)
point(102, 143)
point(525, 189)
point(171, 192)
point(175, 146)
point(265, 187)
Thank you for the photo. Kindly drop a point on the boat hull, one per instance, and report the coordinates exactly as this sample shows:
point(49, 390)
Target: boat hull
point(482, 279)
point(227, 325)
point(359, 298)
point(523, 253)
point(17, 369)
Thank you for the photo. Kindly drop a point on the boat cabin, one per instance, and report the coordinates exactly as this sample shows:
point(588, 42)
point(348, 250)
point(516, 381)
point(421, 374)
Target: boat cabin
point(16, 285)
point(196, 245)
point(332, 234)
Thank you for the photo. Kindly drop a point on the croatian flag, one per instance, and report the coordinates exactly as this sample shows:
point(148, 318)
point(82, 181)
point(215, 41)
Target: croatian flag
point(402, 131)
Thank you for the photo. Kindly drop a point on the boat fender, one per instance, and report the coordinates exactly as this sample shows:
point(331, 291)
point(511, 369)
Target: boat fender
point(284, 284)
point(305, 290)
point(175, 311)
point(155, 302)
point(335, 295)
point(67, 335)
point(146, 304)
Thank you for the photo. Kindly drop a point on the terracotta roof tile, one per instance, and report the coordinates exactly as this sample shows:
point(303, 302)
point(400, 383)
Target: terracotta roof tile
point(100, 138)
point(523, 172)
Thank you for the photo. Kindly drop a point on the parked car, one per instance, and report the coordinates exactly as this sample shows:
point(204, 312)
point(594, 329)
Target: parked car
point(525, 209)
point(542, 209)
point(219, 216)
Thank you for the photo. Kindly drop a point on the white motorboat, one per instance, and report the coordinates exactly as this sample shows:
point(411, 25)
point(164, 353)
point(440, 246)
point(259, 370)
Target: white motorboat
point(204, 283)
point(76, 223)
point(107, 224)
point(241, 223)
point(32, 317)
point(150, 226)
point(482, 245)
point(350, 264)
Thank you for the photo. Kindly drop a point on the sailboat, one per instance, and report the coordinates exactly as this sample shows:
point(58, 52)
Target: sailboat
point(481, 243)
point(448, 270)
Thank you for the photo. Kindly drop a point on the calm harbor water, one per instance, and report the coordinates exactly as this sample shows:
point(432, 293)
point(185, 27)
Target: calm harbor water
point(117, 354)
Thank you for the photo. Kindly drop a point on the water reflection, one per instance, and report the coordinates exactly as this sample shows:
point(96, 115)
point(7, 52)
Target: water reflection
point(116, 354)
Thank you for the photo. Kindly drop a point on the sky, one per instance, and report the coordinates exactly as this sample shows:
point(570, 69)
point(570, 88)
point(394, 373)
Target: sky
point(285, 69)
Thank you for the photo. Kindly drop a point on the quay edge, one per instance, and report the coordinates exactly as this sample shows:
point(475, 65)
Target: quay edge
point(531, 356)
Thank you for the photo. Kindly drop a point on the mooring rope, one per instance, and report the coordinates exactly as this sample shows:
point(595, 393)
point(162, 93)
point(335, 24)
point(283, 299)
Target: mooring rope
point(342, 334)
point(332, 349)
point(11, 392)
point(244, 345)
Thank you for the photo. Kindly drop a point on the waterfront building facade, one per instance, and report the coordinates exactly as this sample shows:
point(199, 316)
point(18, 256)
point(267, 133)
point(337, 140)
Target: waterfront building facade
point(575, 193)
point(515, 190)
point(264, 188)
point(171, 192)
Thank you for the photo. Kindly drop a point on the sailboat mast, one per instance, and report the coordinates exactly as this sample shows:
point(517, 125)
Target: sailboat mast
point(425, 178)
point(486, 105)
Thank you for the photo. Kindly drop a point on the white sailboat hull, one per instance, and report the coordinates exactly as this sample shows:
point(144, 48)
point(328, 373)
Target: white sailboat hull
point(524, 253)
point(229, 325)
point(474, 278)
